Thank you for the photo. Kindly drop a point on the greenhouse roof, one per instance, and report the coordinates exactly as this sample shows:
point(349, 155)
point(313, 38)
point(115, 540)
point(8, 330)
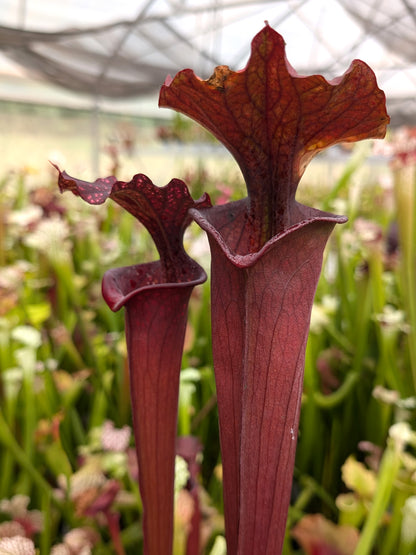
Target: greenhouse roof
point(123, 51)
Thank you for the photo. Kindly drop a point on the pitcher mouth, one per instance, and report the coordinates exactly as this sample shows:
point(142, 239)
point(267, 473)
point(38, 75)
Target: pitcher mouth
point(119, 285)
point(226, 225)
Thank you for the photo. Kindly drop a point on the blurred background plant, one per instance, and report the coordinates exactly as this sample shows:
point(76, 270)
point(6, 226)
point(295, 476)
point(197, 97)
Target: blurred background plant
point(69, 476)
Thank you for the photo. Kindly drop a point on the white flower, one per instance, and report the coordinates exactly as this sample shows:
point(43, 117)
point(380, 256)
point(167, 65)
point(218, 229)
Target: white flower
point(402, 434)
point(28, 335)
point(78, 541)
point(29, 215)
point(322, 312)
point(17, 546)
point(11, 528)
point(16, 506)
point(367, 230)
point(50, 237)
point(113, 439)
point(12, 381)
point(219, 547)
point(408, 532)
point(388, 396)
point(340, 206)
point(319, 318)
point(12, 276)
point(88, 477)
point(181, 473)
point(392, 319)
point(61, 549)
point(330, 303)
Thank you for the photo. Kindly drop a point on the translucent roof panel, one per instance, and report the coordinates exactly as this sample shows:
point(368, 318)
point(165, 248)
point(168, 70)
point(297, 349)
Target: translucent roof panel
point(125, 49)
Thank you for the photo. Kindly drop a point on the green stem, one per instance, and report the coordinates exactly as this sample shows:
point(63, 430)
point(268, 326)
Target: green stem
point(46, 535)
point(389, 467)
point(7, 461)
point(406, 215)
point(8, 440)
point(334, 399)
point(392, 538)
point(30, 422)
point(362, 317)
point(311, 443)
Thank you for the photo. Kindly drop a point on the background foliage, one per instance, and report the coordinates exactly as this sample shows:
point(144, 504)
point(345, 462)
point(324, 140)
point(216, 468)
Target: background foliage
point(68, 466)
